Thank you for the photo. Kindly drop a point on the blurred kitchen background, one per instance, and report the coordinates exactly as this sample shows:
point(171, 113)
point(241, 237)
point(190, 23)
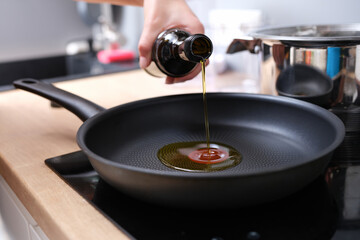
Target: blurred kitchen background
point(52, 39)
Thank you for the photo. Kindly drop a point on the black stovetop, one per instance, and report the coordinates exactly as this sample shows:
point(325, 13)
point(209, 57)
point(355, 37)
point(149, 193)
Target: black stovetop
point(328, 208)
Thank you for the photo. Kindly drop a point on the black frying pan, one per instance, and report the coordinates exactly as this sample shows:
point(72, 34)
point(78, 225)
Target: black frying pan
point(285, 143)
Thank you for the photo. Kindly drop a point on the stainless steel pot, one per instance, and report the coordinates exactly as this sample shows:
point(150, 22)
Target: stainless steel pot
point(332, 50)
point(315, 63)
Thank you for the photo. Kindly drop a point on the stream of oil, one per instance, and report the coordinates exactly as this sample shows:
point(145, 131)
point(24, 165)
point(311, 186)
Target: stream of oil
point(206, 116)
point(200, 156)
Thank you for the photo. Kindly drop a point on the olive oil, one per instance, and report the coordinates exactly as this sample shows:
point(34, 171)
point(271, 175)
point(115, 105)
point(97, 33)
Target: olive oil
point(206, 117)
point(187, 156)
point(200, 156)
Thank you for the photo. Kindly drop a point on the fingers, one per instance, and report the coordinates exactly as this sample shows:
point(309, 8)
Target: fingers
point(153, 25)
point(144, 55)
point(191, 75)
point(145, 45)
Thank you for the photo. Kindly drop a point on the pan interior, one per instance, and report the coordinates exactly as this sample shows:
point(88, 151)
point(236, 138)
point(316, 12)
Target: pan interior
point(269, 134)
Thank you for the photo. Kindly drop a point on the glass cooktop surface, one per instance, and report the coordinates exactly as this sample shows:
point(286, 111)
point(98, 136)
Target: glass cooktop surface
point(328, 208)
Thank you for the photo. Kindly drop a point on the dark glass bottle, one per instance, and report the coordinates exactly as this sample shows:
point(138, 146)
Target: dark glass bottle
point(176, 53)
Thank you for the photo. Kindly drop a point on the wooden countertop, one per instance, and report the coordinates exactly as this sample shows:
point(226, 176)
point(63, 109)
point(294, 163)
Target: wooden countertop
point(31, 131)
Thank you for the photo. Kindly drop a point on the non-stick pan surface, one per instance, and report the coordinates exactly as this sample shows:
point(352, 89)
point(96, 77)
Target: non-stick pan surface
point(285, 144)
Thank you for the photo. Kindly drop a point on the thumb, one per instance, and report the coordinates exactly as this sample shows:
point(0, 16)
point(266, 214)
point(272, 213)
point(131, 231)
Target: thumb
point(145, 47)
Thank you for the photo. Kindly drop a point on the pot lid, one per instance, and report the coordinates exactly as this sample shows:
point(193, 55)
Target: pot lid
point(313, 33)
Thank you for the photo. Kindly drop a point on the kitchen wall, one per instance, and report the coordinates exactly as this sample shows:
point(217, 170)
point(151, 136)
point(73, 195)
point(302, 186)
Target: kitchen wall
point(36, 28)
point(284, 12)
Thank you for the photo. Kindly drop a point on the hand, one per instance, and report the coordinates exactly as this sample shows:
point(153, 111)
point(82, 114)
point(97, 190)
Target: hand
point(160, 15)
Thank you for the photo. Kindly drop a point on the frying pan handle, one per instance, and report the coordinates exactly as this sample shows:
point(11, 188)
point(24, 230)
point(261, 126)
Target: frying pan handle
point(81, 107)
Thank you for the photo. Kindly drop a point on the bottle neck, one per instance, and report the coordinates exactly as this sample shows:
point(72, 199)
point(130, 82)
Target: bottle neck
point(195, 48)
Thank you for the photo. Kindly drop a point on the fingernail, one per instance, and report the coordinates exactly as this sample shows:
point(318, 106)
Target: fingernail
point(143, 62)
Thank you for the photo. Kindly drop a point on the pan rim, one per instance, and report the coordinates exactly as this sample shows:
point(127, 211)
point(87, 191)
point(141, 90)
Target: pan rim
point(332, 118)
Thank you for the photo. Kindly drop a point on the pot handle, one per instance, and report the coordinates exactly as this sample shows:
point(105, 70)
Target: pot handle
point(253, 45)
point(81, 107)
